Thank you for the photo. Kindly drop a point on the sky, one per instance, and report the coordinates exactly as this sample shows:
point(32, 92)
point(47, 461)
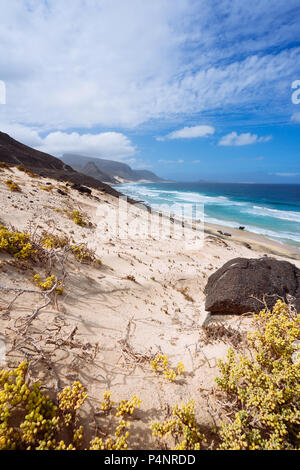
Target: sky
point(190, 89)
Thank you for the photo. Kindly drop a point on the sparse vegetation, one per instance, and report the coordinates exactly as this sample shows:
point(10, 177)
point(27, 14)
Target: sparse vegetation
point(47, 188)
point(78, 218)
point(17, 244)
point(127, 407)
point(186, 295)
point(48, 283)
point(261, 390)
point(50, 241)
point(14, 187)
point(107, 402)
point(119, 440)
point(4, 166)
point(30, 420)
point(258, 394)
point(83, 254)
point(160, 365)
point(264, 388)
point(182, 428)
point(27, 171)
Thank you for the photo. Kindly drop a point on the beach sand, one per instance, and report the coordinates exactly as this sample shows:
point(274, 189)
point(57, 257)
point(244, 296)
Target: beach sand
point(146, 297)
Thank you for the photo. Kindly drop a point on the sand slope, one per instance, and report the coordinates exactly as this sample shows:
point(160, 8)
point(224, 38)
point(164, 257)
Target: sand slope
point(159, 308)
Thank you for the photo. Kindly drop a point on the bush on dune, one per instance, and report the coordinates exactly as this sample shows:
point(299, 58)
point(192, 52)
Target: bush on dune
point(265, 386)
point(30, 420)
point(261, 391)
point(16, 243)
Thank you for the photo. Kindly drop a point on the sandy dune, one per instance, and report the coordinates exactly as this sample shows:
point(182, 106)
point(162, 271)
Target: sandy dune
point(146, 297)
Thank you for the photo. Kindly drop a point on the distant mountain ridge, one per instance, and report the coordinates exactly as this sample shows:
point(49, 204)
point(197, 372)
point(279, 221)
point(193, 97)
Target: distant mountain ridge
point(109, 171)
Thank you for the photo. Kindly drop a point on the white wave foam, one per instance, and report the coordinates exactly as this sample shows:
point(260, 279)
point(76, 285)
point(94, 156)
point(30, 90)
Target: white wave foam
point(277, 236)
point(275, 213)
point(175, 197)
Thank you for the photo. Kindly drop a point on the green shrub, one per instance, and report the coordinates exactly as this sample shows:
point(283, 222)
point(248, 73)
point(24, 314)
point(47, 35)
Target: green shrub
point(264, 386)
point(16, 243)
point(30, 420)
point(50, 241)
point(182, 427)
point(78, 218)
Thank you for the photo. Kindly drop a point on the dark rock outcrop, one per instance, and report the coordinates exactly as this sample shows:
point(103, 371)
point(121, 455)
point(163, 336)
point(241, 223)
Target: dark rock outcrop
point(236, 286)
point(62, 193)
point(82, 189)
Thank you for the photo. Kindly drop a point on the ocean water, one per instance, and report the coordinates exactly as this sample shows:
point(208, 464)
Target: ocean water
point(272, 210)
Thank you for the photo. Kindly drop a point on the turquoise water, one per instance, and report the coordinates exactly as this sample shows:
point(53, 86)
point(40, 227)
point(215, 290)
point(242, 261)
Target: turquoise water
point(266, 209)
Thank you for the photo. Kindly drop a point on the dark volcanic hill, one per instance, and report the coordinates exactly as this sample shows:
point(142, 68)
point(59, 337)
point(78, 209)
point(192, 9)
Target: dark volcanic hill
point(115, 171)
point(14, 153)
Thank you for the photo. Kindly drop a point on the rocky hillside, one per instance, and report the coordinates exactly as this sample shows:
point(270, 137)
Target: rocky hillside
point(90, 169)
point(15, 153)
point(110, 171)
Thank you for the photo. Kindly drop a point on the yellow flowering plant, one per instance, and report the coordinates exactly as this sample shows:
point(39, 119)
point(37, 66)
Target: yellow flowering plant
point(264, 385)
point(182, 427)
point(160, 365)
point(17, 244)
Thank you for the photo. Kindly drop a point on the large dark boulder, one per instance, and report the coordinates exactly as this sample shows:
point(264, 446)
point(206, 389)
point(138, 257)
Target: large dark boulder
point(236, 286)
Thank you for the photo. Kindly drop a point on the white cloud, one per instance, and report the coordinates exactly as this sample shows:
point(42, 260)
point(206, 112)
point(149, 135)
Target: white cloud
point(286, 175)
point(111, 145)
point(296, 117)
point(82, 63)
point(189, 133)
point(234, 139)
point(171, 162)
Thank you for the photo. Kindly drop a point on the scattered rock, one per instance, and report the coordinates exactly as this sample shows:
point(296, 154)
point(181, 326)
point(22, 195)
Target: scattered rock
point(247, 245)
point(61, 192)
point(236, 286)
point(82, 189)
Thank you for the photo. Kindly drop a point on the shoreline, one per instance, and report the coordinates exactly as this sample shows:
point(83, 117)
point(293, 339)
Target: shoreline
point(146, 296)
point(258, 242)
point(255, 241)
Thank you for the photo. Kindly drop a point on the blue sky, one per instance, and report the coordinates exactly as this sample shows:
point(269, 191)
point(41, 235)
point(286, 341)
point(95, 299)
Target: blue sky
point(190, 89)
